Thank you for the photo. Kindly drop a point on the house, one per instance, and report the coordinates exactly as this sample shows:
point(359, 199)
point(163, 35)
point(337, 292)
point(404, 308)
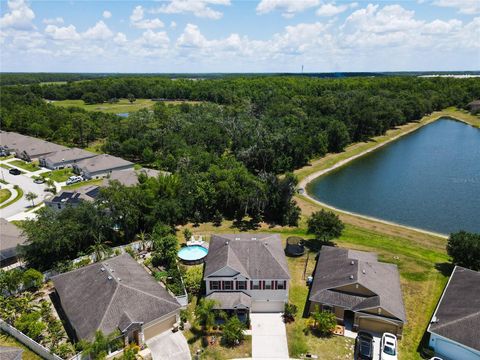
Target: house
point(455, 326)
point(363, 293)
point(247, 272)
point(115, 294)
point(64, 158)
point(9, 141)
point(36, 148)
point(129, 177)
point(73, 197)
point(10, 237)
point(474, 106)
point(100, 166)
point(10, 353)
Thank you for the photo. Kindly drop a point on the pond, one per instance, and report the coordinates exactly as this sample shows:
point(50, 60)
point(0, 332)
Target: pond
point(429, 179)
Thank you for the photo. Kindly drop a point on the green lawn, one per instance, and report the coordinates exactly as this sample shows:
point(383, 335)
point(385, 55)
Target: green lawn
point(5, 166)
point(11, 201)
point(4, 195)
point(82, 183)
point(122, 106)
point(28, 166)
point(7, 340)
point(60, 175)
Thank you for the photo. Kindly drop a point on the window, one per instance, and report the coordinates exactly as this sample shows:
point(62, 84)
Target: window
point(241, 285)
point(214, 285)
point(228, 285)
point(255, 284)
point(268, 285)
point(327, 308)
point(281, 285)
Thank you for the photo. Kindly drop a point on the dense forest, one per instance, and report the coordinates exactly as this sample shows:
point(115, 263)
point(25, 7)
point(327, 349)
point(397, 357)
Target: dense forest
point(226, 152)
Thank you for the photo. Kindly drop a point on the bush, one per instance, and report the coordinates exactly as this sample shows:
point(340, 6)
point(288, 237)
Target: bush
point(32, 279)
point(129, 250)
point(193, 279)
point(290, 312)
point(325, 225)
point(324, 322)
point(464, 248)
point(82, 263)
point(31, 325)
point(233, 331)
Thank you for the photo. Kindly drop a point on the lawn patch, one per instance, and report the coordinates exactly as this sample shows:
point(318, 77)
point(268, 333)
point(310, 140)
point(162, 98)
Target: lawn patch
point(60, 175)
point(7, 340)
point(4, 195)
point(28, 166)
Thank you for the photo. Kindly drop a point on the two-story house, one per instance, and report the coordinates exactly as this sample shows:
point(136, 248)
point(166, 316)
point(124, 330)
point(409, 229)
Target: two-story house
point(247, 272)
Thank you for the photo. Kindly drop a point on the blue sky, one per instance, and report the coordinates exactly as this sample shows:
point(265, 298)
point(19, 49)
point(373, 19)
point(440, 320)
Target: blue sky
point(239, 36)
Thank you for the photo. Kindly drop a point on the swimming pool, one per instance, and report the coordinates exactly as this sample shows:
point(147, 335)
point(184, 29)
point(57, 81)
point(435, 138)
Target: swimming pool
point(192, 255)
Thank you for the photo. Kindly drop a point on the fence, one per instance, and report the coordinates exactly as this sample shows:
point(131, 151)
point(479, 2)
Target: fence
point(30, 343)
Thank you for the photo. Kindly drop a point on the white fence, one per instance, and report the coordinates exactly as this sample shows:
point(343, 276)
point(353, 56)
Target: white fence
point(30, 343)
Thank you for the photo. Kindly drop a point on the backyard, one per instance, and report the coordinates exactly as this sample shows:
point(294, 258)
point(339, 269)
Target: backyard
point(60, 175)
point(29, 166)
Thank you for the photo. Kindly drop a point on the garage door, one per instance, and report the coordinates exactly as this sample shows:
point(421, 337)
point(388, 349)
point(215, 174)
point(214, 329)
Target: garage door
point(158, 328)
point(376, 326)
point(267, 306)
point(450, 351)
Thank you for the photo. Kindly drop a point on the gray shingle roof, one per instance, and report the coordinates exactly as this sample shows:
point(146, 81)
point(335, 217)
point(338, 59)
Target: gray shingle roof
point(337, 267)
point(10, 237)
point(457, 316)
point(36, 147)
point(230, 299)
point(10, 353)
point(129, 177)
point(12, 140)
point(102, 162)
point(256, 256)
point(87, 193)
point(72, 154)
point(99, 296)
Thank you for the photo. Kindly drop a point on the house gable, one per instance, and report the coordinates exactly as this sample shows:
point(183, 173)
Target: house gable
point(355, 289)
point(225, 271)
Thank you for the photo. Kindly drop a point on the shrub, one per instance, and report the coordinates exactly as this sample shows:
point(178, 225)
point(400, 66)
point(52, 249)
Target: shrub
point(325, 225)
point(290, 312)
point(324, 322)
point(82, 263)
point(31, 325)
point(193, 279)
point(464, 248)
point(32, 279)
point(233, 331)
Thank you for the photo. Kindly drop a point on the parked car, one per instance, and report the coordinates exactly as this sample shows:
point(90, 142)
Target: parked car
point(39, 180)
point(364, 346)
point(388, 347)
point(14, 171)
point(74, 179)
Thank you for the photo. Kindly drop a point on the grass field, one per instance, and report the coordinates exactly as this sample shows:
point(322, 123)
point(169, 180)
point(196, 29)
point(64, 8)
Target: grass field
point(11, 201)
point(4, 195)
point(122, 106)
point(60, 175)
point(82, 183)
point(7, 340)
point(5, 166)
point(28, 166)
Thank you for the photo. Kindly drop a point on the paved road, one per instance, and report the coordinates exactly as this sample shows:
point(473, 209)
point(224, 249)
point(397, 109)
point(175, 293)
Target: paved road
point(269, 336)
point(27, 185)
point(169, 346)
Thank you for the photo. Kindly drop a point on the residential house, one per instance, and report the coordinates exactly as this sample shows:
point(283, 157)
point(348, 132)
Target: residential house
point(64, 158)
point(455, 326)
point(100, 166)
point(130, 176)
point(115, 295)
point(9, 141)
point(10, 353)
point(73, 197)
point(363, 293)
point(247, 272)
point(36, 148)
point(10, 237)
point(474, 106)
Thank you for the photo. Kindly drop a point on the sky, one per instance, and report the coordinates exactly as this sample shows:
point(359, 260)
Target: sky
point(194, 36)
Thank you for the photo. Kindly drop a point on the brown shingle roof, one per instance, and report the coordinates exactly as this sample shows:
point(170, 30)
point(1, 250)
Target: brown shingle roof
point(102, 162)
point(10, 237)
point(337, 267)
point(68, 155)
point(457, 316)
point(230, 299)
point(100, 296)
point(256, 256)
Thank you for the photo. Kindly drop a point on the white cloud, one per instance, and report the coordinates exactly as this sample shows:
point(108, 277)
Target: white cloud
point(152, 39)
point(55, 32)
point(191, 37)
point(200, 8)
point(441, 27)
point(107, 14)
point(332, 9)
point(100, 31)
point(120, 39)
point(173, 24)
point(53, 21)
point(137, 20)
point(288, 7)
point(19, 16)
point(469, 7)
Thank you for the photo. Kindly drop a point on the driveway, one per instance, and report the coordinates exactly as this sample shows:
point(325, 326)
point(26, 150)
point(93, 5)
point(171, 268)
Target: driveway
point(169, 346)
point(269, 337)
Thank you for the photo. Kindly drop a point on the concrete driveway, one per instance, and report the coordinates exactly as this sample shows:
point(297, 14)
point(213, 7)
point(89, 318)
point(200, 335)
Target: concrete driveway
point(169, 346)
point(269, 336)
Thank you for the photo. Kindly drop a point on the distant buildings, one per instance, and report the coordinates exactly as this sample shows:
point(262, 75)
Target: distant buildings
point(474, 106)
point(26, 147)
point(64, 158)
point(10, 237)
point(455, 326)
point(100, 166)
point(73, 197)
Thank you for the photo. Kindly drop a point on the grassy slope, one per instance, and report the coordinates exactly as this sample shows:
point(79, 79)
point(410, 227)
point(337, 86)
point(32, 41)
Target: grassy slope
point(123, 106)
point(4, 195)
point(6, 340)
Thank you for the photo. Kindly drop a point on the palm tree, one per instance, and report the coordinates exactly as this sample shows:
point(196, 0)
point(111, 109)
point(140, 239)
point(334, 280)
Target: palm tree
point(144, 239)
point(51, 185)
point(205, 314)
point(99, 247)
point(31, 197)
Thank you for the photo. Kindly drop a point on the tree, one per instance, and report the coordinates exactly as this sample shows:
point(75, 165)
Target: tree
point(338, 136)
point(193, 280)
point(51, 186)
point(32, 279)
point(31, 325)
point(217, 218)
point(233, 331)
point(10, 280)
point(131, 98)
point(187, 234)
point(324, 321)
point(290, 312)
point(464, 248)
point(99, 248)
point(205, 313)
point(30, 196)
point(144, 238)
point(101, 344)
point(165, 250)
point(325, 225)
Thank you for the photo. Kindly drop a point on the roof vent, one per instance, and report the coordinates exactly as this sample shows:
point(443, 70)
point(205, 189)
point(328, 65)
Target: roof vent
point(351, 277)
point(102, 269)
point(363, 271)
point(254, 238)
point(226, 242)
point(434, 320)
point(352, 262)
point(109, 277)
point(237, 238)
point(119, 279)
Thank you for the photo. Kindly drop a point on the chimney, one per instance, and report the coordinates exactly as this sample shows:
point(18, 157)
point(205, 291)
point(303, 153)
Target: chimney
point(351, 277)
point(352, 262)
point(363, 271)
